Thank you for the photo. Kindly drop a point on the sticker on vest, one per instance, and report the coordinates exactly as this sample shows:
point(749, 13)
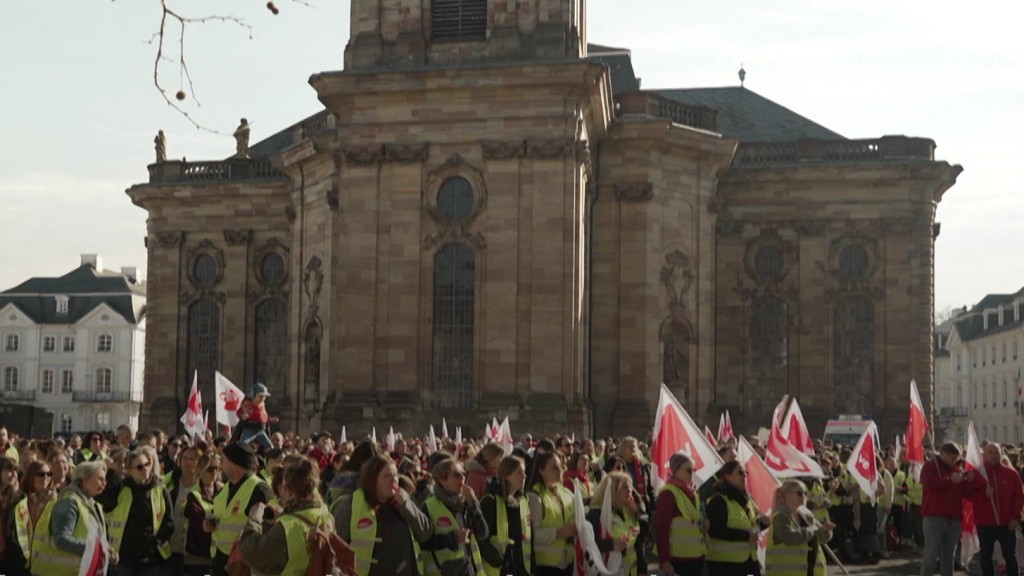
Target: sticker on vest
point(234, 509)
point(364, 523)
point(444, 523)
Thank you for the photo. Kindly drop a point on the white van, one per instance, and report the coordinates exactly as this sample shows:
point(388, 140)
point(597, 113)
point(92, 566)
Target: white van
point(846, 430)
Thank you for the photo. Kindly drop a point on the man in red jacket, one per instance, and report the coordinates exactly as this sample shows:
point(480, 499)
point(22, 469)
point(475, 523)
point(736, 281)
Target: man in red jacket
point(1005, 495)
point(945, 486)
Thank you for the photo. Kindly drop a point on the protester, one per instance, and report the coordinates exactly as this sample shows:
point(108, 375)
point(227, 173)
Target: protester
point(997, 511)
point(61, 536)
point(483, 467)
point(797, 539)
point(233, 503)
point(253, 418)
point(180, 484)
point(678, 533)
point(624, 524)
point(552, 516)
point(139, 519)
point(640, 472)
point(734, 525)
point(347, 481)
point(380, 507)
point(93, 450)
point(7, 448)
point(198, 506)
point(60, 465)
point(274, 538)
point(945, 485)
point(458, 524)
point(507, 551)
point(15, 542)
point(579, 469)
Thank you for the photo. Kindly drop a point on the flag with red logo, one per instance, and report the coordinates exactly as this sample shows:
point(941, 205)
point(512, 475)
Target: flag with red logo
point(192, 419)
point(505, 436)
point(710, 436)
point(783, 459)
point(862, 464)
point(761, 483)
point(794, 428)
point(917, 427)
point(725, 427)
point(229, 399)
point(96, 556)
point(589, 558)
point(675, 431)
point(390, 439)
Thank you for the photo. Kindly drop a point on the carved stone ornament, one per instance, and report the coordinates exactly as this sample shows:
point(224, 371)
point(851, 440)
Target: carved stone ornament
point(585, 157)
point(676, 331)
point(549, 149)
point(207, 248)
point(455, 234)
point(810, 227)
point(237, 237)
point(634, 192)
point(677, 277)
point(768, 258)
point(363, 155)
point(312, 283)
point(406, 153)
point(170, 238)
point(188, 297)
point(729, 228)
point(503, 150)
point(455, 166)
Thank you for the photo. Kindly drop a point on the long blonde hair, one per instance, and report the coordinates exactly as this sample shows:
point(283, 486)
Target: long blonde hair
point(779, 503)
point(611, 481)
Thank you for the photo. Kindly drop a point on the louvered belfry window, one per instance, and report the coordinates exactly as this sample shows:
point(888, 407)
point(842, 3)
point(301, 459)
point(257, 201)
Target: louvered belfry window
point(459, 19)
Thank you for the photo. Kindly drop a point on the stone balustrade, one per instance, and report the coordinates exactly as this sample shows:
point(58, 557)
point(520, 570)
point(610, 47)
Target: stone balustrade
point(213, 171)
point(651, 104)
point(119, 396)
point(761, 154)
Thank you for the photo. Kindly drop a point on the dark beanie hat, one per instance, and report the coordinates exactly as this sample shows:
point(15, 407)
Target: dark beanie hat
point(677, 460)
point(240, 455)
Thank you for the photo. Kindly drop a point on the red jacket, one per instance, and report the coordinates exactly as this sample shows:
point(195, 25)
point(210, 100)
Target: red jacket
point(1008, 497)
point(942, 497)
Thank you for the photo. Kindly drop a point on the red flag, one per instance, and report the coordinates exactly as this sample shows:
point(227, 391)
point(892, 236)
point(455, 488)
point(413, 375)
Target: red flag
point(862, 464)
point(784, 460)
point(761, 484)
point(710, 436)
point(725, 427)
point(675, 431)
point(192, 419)
point(917, 427)
point(795, 429)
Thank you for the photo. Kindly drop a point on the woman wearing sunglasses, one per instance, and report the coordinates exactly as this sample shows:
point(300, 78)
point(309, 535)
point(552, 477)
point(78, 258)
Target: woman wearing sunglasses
point(796, 539)
point(679, 540)
point(38, 485)
point(140, 524)
point(734, 525)
point(197, 507)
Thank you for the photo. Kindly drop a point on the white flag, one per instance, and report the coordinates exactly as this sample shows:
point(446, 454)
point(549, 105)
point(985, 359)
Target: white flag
point(344, 437)
point(228, 401)
point(862, 465)
point(444, 428)
point(674, 431)
point(431, 441)
point(391, 439)
point(192, 419)
point(505, 437)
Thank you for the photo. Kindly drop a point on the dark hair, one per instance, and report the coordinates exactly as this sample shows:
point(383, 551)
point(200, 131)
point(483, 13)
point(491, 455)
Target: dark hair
point(574, 460)
point(437, 457)
point(951, 448)
point(610, 463)
point(545, 445)
point(728, 468)
point(539, 463)
point(406, 483)
point(220, 441)
point(35, 469)
point(362, 454)
point(274, 454)
point(723, 449)
point(368, 475)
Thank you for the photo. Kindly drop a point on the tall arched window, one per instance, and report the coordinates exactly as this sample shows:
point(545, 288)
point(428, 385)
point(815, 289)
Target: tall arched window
point(204, 342)
point(311, 344)
point(769, 354)
point(854, 354)
point(272, 346)
point(454, 298)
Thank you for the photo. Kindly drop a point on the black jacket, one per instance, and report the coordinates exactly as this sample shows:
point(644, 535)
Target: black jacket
point(139, 543)
point(718, 513)
point(513, 556)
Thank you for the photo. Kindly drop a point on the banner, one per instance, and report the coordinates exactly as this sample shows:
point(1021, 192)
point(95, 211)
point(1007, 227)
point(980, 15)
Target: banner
point(675, 431)
point(228, 401)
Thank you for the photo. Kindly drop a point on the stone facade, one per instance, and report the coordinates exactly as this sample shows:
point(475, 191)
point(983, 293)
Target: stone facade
point(597, 244)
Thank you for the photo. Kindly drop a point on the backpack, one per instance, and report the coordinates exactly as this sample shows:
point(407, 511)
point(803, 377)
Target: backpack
point(328, 553)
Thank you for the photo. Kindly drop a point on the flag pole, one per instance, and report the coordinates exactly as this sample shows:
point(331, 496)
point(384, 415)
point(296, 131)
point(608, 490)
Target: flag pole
point(832, 555)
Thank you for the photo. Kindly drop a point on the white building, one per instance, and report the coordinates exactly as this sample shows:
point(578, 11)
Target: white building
point(983, 380)
point(74, 345)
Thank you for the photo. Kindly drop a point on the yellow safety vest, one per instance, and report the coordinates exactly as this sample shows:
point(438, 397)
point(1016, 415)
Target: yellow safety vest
point(23, 529)
point(626, 526)
point(168, 481)
point(12, 452)
point(501, 538)
point(363, 535)
point(899, 479)
point(295, 532)
point(818, 500)
point(559, 510)
point(915, 491)
point(739, 519)
point(686, 539)
point(443, 521)
point(231, 516)
point(87, 455)
point(118, 518)
point(47, 559)
point(783, 560)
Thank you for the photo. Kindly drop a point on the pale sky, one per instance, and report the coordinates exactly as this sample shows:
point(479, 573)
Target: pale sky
point(78, 111)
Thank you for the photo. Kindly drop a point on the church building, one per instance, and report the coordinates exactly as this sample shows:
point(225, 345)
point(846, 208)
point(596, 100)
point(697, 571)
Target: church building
point(491, 216)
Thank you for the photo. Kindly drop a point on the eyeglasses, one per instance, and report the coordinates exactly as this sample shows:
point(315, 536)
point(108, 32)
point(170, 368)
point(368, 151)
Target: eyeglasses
point(459, 474)
point(141, 467)
point(47, 473)
point(95, 439)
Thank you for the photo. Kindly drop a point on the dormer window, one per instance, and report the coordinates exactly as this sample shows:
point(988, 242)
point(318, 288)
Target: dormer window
point(62, 304)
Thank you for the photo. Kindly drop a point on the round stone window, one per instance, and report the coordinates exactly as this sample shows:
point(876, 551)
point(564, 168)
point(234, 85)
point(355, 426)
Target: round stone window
point(853, 263)
point(455, 199)
point(769, 264)
point(204, 270)
point(272, 269)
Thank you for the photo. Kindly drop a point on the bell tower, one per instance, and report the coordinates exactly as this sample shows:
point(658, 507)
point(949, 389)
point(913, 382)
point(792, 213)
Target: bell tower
point(430, 33)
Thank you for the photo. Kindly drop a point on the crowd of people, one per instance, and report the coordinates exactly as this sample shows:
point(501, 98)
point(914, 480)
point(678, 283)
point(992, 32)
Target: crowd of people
point(173, 505)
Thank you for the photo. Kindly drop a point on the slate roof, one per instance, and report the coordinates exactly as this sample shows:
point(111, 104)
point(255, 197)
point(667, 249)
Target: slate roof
point(619, 63)
point(280, 140)
point(86, 289)
point(971, 324)
point(750, 117)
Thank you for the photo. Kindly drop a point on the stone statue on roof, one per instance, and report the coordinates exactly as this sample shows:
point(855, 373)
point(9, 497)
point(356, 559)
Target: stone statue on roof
point(242, 139)
point(161, 146)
